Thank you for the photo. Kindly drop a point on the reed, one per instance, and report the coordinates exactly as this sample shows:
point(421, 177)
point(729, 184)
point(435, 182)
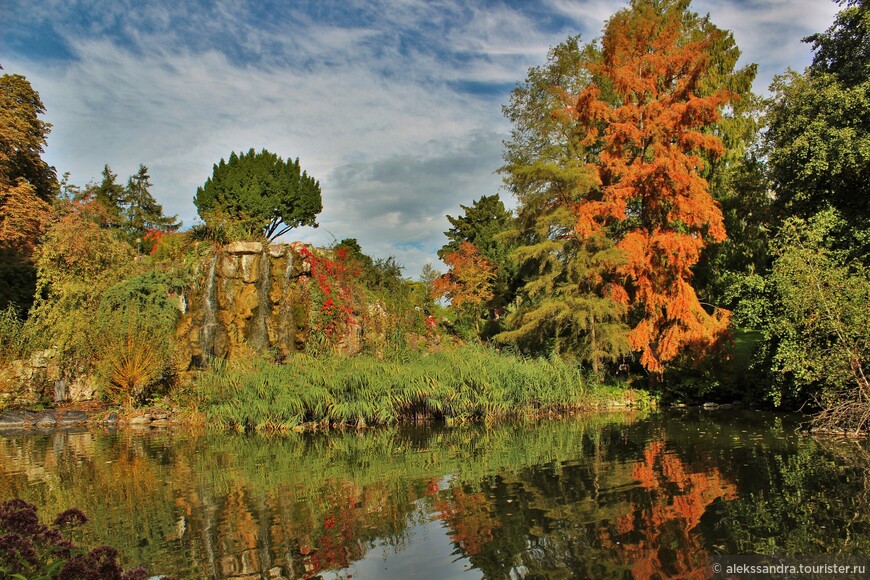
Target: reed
point(465, 383)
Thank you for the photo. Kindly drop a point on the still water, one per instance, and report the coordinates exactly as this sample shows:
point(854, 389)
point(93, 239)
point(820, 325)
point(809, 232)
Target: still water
point(591, 497)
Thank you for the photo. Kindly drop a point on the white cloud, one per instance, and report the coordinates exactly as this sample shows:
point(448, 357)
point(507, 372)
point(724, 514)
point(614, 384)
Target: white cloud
point(769, 32)
point(181, 112)
point(370, 104)
point(589, 15)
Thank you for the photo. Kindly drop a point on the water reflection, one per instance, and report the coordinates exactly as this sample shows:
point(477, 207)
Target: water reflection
point(614, 496)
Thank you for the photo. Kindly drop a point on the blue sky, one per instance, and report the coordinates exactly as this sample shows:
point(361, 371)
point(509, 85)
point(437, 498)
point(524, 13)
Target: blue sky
point(394, 105)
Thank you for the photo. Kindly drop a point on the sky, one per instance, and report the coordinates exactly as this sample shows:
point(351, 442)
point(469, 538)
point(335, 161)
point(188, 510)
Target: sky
point(394, 105)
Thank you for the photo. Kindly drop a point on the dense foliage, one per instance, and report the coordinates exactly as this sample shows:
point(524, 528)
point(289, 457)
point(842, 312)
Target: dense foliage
point(262, 191)
point(27, 186)
point(468, 283)
point(485, 225)
point(102, 310)
point(814, 309)
point(610, 159)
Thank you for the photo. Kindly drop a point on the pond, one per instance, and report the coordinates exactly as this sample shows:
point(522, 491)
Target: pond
point(600, 496)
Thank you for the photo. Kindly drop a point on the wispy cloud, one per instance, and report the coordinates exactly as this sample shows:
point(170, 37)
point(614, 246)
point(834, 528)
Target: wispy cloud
point(393, 104)
point(769, 32)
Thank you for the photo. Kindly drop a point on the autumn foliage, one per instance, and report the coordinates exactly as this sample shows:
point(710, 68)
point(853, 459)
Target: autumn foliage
point(652, 128)
point(25, 180)
point(23, 215)
point(469, 280)
point(334, 284)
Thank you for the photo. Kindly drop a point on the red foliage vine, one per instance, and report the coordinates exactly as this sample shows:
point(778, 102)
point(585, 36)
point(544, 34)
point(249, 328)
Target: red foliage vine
point(334, 280)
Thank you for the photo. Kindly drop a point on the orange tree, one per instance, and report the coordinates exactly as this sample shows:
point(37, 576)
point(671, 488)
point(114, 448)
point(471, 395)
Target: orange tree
point(649, 118)
point(468, 283)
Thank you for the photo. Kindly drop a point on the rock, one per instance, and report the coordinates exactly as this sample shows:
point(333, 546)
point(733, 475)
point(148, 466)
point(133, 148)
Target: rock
point(229, 266)
point(111, 418)
point(244, 248)
point(16, 419)
point(71, 418)
point(711, 405)
point(229, 566)
point(161, 423)
point(42, 358)
point(158, 415)
point(726, 406)
point(277, 250)
point(679, 406)
point(246, 301)
point(45, 420)
point(83, 388)
point(140, 420)
point(60, 391)
point(250, 268)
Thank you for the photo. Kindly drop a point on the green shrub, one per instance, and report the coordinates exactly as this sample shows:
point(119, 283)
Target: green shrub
point(134, 333)
point(817, 330)
point(13, 335)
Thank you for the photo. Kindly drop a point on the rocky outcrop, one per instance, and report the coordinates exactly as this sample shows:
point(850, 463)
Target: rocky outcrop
point(42, 419)
point(38, 379)
point(252, 297)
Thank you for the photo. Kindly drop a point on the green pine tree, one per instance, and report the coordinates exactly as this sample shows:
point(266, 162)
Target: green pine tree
point(112, 196)
point(142, 212)
point(564, 305)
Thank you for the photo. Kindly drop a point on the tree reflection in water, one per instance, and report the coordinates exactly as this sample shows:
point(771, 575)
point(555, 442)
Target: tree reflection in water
point(658, 536)
point(589, 497)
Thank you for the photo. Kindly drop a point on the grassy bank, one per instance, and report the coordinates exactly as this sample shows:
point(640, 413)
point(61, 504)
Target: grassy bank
point(458, 384)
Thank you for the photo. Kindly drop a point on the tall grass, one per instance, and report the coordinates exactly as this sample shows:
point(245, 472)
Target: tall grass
point(468, 382)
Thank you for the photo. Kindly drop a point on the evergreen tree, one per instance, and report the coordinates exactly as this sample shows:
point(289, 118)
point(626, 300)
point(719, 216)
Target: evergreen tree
point(484, 225)
point(262, 192)
point(142, 212)
point(112, 196)
point(564, 304)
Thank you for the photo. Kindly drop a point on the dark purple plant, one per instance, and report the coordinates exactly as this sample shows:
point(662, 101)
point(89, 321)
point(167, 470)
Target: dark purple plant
point(70, 518)
point(29, 547)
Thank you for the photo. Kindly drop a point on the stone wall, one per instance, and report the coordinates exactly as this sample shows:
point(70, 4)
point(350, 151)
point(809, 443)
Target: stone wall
point(38, 379)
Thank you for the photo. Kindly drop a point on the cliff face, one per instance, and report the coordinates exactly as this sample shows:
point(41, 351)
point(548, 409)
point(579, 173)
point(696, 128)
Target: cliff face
point(251, 297)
